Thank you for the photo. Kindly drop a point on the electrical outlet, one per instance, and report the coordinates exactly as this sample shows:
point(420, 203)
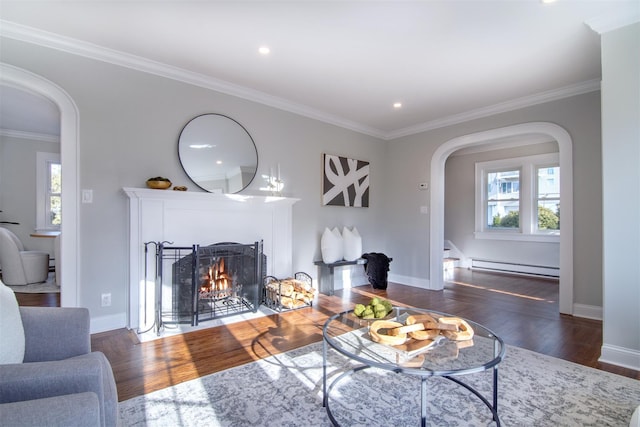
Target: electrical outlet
point(87, 196)
point(106, 300)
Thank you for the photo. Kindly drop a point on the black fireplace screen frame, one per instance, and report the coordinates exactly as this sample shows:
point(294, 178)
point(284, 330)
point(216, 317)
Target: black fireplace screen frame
point(184, 272)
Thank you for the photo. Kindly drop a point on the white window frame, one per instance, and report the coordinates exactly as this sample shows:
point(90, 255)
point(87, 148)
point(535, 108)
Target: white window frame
point(43, 160)
point(528, 230)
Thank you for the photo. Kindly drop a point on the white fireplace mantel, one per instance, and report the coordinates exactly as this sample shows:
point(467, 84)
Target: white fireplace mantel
point(186, 218)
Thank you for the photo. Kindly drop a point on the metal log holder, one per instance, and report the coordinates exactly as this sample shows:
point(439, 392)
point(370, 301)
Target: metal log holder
point(272, 295)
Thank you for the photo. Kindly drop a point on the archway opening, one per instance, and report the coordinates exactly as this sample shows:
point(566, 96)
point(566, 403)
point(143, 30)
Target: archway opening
point(438, 160)
point(30, 82)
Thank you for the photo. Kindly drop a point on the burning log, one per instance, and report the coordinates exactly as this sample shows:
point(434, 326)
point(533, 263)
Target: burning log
point(218, 283)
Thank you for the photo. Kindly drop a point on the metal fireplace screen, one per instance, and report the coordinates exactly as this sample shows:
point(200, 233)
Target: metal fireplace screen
point(202, 283)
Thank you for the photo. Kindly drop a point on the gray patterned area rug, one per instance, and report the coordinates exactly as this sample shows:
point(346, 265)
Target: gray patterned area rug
point(286, 390)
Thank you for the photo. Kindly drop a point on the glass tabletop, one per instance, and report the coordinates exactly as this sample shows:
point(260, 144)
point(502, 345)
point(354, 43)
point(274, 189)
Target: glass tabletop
point(440, 356)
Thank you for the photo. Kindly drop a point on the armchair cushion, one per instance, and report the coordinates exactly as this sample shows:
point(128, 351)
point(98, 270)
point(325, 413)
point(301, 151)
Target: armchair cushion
point(54, 333)
point(11, 329)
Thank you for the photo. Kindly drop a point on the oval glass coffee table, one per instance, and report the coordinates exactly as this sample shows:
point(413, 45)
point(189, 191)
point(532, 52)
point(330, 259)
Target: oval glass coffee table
point(349, 335)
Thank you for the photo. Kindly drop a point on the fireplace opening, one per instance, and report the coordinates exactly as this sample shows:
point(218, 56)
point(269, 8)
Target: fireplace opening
point(200, 283)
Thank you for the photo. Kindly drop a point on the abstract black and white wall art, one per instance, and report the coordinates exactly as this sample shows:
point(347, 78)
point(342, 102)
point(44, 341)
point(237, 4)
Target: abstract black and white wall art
point(345, 182)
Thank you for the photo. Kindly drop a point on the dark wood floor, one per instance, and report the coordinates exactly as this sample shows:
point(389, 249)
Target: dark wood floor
point(523, 311)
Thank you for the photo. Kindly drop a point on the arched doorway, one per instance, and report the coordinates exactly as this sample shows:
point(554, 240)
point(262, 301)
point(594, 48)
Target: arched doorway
point(30, 82)
point(436, 236)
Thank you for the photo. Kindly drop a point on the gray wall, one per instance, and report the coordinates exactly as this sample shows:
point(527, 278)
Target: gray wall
point(18, 188)
point(129, 125)
point(410, 157)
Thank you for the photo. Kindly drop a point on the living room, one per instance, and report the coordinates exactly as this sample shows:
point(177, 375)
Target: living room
point(120, 126)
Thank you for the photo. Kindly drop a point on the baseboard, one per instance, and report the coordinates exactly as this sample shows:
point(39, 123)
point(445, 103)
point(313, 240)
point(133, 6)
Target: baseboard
point(108, 323)
point(620, 356)
point(587, 311)
point(515, 268)
point(409, 281)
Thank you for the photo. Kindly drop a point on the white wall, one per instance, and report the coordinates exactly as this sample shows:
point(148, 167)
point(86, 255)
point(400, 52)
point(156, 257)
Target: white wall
point(621, 181)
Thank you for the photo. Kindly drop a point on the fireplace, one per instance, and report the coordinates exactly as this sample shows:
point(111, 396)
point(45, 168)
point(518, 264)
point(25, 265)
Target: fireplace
point(199, 283)
point(185, 218)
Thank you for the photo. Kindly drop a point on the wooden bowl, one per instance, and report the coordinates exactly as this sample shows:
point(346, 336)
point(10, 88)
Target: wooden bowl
point(159, 185)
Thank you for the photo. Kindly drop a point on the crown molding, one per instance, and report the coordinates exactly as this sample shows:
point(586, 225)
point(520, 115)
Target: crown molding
point(100, 53)
point(32, 136)
point(610, 22)
point(89, 50)
point(503, 107)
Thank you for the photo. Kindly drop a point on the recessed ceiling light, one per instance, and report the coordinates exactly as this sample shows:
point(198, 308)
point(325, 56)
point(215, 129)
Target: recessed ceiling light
point(397, 105)
point(264, 50)
point(548, 1)
point(218, 162)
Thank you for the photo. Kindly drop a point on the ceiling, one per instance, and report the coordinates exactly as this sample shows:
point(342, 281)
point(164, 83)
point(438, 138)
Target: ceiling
point(344, 62)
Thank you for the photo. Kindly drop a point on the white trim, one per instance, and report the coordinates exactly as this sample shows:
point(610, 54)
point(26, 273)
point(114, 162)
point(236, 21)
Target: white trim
point(612, 21)
point(32, 136)
point(107, 323)
point(620, 356)
point(42, 166)
point(416, 282)
point(503, 107)
point(436, 236)
point(89, 50)
point(517, 237)
point(69, 152)
point(100, 53)
point(588, 311)
point(527, 201)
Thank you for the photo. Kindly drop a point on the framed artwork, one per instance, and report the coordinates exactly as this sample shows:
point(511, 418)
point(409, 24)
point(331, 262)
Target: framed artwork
point(345, 181)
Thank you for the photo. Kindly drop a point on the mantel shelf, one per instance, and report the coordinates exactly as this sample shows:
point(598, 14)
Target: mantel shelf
point(148, 193)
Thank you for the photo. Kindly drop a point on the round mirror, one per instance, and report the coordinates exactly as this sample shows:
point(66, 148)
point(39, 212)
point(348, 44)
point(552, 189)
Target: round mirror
point(217, 153)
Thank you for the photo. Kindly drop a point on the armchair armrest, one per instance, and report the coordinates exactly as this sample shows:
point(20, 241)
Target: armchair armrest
point(39, 380)
point(73, 410)
point(54, 333)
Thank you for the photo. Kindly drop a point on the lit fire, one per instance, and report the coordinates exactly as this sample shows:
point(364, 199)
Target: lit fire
point(218, 283)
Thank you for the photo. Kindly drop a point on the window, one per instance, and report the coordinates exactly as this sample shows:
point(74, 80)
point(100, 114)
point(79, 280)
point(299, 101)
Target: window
point(502, 199)
point(548, 198)
point(49, 191)
point(519, 198)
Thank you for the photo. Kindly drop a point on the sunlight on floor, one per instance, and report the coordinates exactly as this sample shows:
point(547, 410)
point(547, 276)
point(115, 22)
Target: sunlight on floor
point(499, 291)
point(371, 295)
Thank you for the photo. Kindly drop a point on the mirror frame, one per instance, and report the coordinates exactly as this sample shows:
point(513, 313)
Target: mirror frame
point(240, 129)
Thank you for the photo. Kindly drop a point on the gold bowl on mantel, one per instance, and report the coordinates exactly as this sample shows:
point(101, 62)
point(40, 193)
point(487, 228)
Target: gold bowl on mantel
point(158, 185)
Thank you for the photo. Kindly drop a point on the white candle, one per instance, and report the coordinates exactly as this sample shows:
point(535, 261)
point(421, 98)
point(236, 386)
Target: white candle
point(278, 172)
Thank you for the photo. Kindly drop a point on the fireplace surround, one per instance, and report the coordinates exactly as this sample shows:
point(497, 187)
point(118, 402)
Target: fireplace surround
point(184, 219)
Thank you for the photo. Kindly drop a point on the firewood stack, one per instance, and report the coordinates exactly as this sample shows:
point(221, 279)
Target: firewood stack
point(289, 293)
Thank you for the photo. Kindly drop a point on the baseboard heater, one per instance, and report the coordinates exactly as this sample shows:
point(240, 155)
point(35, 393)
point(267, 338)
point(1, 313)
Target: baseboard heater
point(515, 268)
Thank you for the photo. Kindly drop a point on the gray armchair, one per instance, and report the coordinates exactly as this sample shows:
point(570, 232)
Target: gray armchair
point(61, 382)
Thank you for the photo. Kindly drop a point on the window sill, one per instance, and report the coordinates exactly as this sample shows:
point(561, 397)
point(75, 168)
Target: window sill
point(499, 235)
